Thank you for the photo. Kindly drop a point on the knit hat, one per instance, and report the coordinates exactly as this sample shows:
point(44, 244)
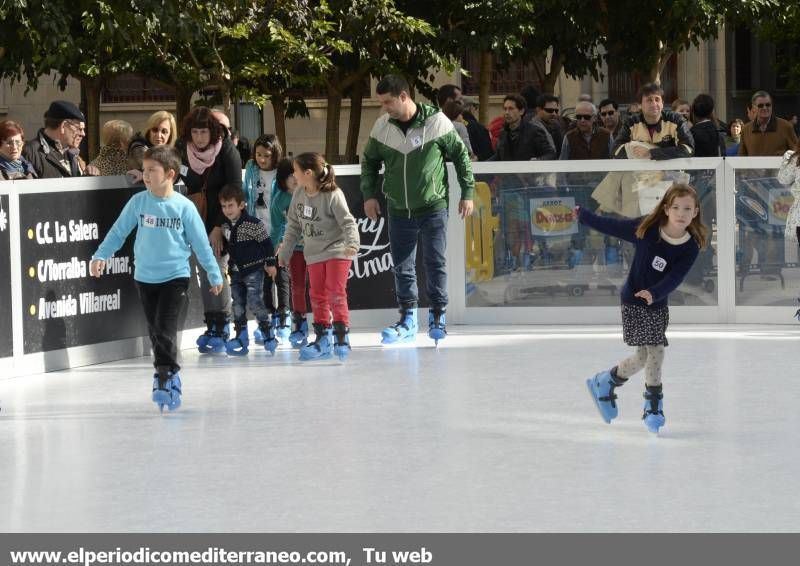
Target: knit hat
point(64, 110)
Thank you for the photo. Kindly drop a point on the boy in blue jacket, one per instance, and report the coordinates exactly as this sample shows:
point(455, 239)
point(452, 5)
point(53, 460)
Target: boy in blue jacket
point(168, 228)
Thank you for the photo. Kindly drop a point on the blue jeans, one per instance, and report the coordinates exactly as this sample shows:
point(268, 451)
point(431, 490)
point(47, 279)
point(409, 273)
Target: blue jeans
point(403, 236)
point(247, 291)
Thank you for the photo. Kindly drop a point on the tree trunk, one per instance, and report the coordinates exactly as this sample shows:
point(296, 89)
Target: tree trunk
point(654, 74)
point(550, 79)
point(484, 85)
point(332, 126)
point(354, 126)
point(225, 92)
point(183, 102)
point(91, 88)
point(279, 114)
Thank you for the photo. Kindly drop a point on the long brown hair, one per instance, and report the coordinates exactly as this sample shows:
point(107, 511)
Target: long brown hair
point(322, 170)
point(696, 228)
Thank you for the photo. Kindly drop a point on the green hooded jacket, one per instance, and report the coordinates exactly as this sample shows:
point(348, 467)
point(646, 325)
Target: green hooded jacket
point(415, 179)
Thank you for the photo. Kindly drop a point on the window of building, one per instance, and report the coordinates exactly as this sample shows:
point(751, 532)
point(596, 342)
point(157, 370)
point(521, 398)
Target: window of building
point(623, 84)
point(129, 88)
point(507, 81)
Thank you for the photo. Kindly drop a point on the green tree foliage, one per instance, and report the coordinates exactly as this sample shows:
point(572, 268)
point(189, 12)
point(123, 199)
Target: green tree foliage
point(73, 38)
point(496, 29)
point(643, 35)
point(781, 26)
point(381, 38)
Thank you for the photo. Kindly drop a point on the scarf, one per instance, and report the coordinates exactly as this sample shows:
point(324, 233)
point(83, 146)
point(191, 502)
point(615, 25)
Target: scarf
point(17, 169)
point(199, 161)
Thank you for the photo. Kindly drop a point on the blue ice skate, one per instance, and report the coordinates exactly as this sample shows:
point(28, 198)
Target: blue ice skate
point(238, 346)
point(280, 322)
point(321, 347)
point(341, 346)
point(299, 336)
point(167, 391)
point(437, 324)
point(404, 330)
point(601, 388)
point(653, 408)
point(267, 337)
point(204, 339)
point(258, 337)
point(216, 335)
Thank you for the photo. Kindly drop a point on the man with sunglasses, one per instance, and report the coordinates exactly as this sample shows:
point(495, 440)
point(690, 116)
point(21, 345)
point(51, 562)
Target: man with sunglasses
point(55, 149)
point(609, 116)
point(586, 140)
point(766, 134)
point(548, 115)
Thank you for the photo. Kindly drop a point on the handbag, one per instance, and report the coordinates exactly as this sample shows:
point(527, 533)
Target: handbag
point(200, 199)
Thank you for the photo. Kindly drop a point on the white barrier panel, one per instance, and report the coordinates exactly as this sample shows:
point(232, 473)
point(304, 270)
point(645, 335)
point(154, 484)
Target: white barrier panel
point(521, 258)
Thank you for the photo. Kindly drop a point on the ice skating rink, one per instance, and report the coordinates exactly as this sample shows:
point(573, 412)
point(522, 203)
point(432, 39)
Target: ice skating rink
point(495, 431)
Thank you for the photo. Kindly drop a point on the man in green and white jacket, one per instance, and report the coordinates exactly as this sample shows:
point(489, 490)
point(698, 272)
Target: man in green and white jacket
point(413, 141)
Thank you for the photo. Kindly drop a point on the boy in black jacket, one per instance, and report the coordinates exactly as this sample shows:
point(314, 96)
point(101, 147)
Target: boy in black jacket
point(251, 254)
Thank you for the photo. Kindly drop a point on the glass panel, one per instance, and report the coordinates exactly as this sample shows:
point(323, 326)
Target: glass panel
point(767, 271)
point(525, 248)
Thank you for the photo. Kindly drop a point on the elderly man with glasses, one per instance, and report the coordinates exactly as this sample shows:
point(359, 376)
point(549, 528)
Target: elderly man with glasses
point(54, 152)
point(766, 134)
point(586, 140)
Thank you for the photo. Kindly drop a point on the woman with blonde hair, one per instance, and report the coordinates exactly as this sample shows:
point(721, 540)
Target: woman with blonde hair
point(113, 156)
point(160, 129)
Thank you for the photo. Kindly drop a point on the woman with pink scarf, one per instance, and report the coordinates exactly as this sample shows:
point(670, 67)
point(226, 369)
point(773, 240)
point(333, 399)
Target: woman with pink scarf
point(210, 162)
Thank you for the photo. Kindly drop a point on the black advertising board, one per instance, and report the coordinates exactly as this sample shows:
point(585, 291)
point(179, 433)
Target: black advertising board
point(371, 283)
point(63, 306)
point(6, 336)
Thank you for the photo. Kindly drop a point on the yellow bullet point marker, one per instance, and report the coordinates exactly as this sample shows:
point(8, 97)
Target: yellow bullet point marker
point(32, 272)
point(30, 234)
point(33, 310)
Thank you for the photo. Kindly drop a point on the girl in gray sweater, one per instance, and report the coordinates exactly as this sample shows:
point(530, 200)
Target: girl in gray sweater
point(318, 214)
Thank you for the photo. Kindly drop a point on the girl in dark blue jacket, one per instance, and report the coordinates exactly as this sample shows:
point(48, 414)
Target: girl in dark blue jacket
point(667, 243)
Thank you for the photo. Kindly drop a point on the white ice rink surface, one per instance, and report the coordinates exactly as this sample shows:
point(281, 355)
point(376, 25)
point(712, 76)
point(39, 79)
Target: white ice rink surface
point(495, 431)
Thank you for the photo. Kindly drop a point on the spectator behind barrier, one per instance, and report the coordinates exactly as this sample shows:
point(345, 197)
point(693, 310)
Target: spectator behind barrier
point(453, 109)
point(520, 140)
point(160, 129)
point(610, 117)
point(54, 151)
point(586, 140)
point(12, 164)
point(113, 156)
point(734, 136)
point(654, 133)
point(766, 134)
point(709, 141)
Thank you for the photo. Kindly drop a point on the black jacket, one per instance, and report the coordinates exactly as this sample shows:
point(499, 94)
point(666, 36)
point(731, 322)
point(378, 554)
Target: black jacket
point(708, 140)
point(137, 147)
point(227, 169)
point(531, 142)
point(47, 160)
point(249, 244)
point(479, 137)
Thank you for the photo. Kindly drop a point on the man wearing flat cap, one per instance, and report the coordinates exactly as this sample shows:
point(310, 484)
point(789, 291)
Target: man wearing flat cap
point(54, 150)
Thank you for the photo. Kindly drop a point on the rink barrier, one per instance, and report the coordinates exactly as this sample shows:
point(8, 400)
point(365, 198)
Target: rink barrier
point(60, 317)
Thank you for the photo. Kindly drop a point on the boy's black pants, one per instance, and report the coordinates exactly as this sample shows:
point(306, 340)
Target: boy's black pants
point(163, 304)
